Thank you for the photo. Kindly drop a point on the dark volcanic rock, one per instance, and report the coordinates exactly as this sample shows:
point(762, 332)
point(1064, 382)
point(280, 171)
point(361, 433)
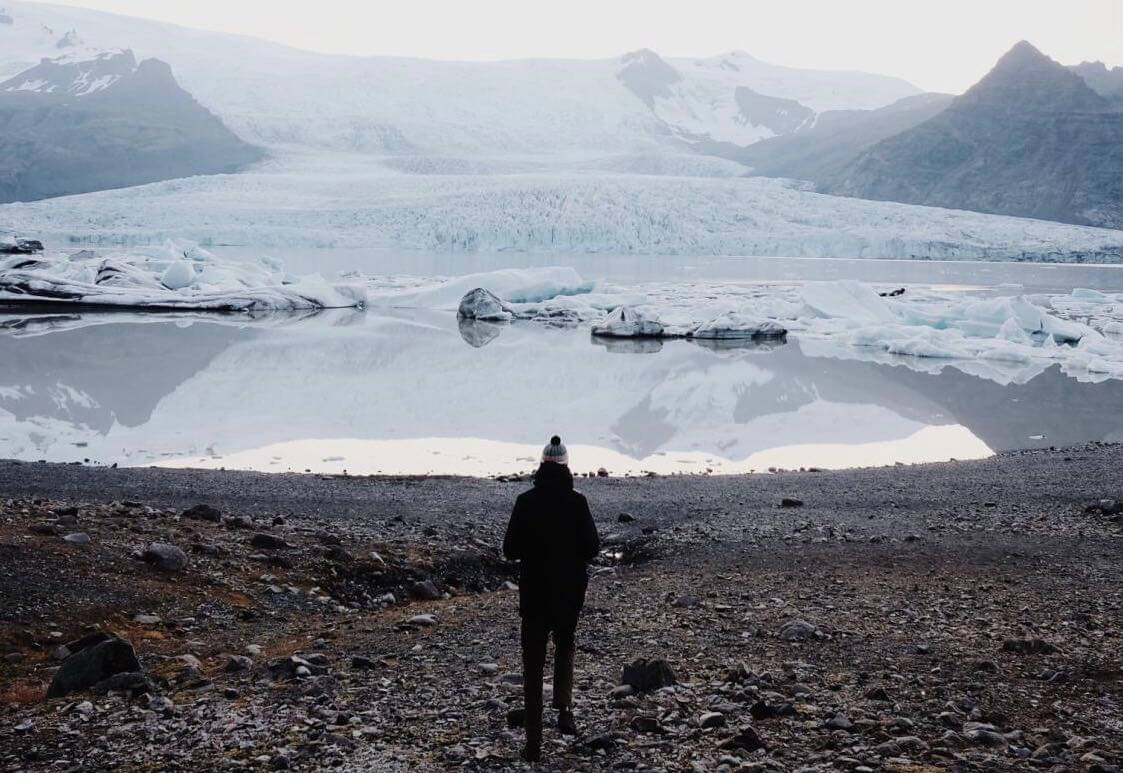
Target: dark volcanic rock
point(747, 739)
point(166, 557)
point(1029, 646)
point(203, 513)
point(96, 661)
point(425, 591)
point(269, 542)
point(643, 674)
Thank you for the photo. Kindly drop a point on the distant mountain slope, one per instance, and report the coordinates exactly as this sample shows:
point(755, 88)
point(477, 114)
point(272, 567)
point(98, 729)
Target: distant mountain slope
point(1107, 83)
point(81, 123)
point(270, 94)
point(820, 151)
point(1030, 139)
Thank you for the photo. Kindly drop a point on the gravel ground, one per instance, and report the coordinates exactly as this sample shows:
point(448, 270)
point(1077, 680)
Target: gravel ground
point(959, 616)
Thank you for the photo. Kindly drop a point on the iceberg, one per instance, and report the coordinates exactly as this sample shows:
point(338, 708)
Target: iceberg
point(176, 277)
point(733, 325)
point(483, 305)
point(847, 299)
point(513, 285)
point(626, 322)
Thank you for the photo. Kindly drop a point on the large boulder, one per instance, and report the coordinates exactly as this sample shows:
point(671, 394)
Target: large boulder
point(93, 660)
point(626, 322)
point(735, 325)
point(483, 304)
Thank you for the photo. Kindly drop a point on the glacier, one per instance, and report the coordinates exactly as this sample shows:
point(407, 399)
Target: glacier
point(328, 200)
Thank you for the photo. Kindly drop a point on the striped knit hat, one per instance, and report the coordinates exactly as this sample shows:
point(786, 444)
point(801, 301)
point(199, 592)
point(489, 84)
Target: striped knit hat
point(555, 452)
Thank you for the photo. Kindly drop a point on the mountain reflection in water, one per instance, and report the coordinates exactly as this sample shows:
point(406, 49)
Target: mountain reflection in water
point(419, 392)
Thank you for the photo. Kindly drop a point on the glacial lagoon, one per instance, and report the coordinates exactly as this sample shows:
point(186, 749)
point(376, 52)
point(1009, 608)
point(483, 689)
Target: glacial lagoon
point(411, 391)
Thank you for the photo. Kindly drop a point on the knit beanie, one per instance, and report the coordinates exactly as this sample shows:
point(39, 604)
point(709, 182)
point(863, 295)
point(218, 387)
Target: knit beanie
point(555, 452)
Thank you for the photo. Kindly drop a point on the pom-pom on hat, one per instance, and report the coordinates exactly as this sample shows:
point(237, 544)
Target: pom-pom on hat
point(555, 452)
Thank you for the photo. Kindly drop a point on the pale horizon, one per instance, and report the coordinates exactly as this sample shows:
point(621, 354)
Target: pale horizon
point(932, 47)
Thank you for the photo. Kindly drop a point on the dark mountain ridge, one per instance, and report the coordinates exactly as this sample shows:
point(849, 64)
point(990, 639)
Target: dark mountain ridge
point(72, 125)
point(1030, 139)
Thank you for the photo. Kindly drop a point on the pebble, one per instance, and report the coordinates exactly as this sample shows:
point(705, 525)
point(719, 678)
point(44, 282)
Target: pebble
point(78, 538)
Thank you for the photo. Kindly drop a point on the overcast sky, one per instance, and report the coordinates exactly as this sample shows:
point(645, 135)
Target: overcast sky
point(940, 45)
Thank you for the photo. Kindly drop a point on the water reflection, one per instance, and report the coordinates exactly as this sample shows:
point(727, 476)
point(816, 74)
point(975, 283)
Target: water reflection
point(402, 393)
point(477, 332)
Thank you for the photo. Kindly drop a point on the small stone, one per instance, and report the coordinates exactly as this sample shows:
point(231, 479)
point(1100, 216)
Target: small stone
point(363, 663)
point(422, 620)
point(489, 668)
point(644, 724)
point(1029, 646)
point(268, 542)
point(840, 722)
point(644, 674)
point(791, 502)
point(163, 556)
point(236, 663)
point(746, 738)
point(624, 518)
point(203, 513)
point(147, 619)
point(425, 590)
point(78, 538)
point(798, 630)
point(878, 694)
point(712, 719)
point(161, 704)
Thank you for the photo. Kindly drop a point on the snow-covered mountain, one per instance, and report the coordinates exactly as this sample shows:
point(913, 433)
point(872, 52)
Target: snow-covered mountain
point(273, 95)
point(84, 122)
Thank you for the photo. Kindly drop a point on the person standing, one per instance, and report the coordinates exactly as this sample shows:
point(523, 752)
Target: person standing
point(552, 536)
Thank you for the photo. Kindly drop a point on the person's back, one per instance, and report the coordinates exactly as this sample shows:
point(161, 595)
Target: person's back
point(552, 535)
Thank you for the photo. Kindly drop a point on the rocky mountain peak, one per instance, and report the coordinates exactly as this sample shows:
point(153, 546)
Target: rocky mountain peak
point(1024, 79)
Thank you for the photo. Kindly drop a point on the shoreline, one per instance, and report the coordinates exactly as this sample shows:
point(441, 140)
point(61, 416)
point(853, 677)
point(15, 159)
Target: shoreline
point(923, 588)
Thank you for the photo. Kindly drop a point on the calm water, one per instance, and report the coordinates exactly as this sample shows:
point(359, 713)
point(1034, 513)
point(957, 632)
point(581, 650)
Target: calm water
point(417, 393)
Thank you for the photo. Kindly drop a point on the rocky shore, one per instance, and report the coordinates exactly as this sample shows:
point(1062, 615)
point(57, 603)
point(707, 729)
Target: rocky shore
point(959, 616)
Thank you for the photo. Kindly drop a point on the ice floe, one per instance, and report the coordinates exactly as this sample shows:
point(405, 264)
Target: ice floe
point(626, 322)
point(176, 276)
point(1080, 330)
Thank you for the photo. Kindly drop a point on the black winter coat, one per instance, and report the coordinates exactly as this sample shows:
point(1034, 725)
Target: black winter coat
point(553, 536)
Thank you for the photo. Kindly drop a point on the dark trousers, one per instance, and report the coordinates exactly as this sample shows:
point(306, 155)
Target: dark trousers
point(535, 633)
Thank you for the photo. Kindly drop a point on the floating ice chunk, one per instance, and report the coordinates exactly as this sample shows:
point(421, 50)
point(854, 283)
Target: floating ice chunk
point(513, 285)
point(178, 275)
point(1009, 351)
point(626, 322)
point(1086, 294)
point(1012, 331)
point(483, 304)
point(172, 277)
point(734, 324)
point(848, 300)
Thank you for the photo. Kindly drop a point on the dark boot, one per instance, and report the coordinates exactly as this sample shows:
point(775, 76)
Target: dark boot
point(567, 725)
